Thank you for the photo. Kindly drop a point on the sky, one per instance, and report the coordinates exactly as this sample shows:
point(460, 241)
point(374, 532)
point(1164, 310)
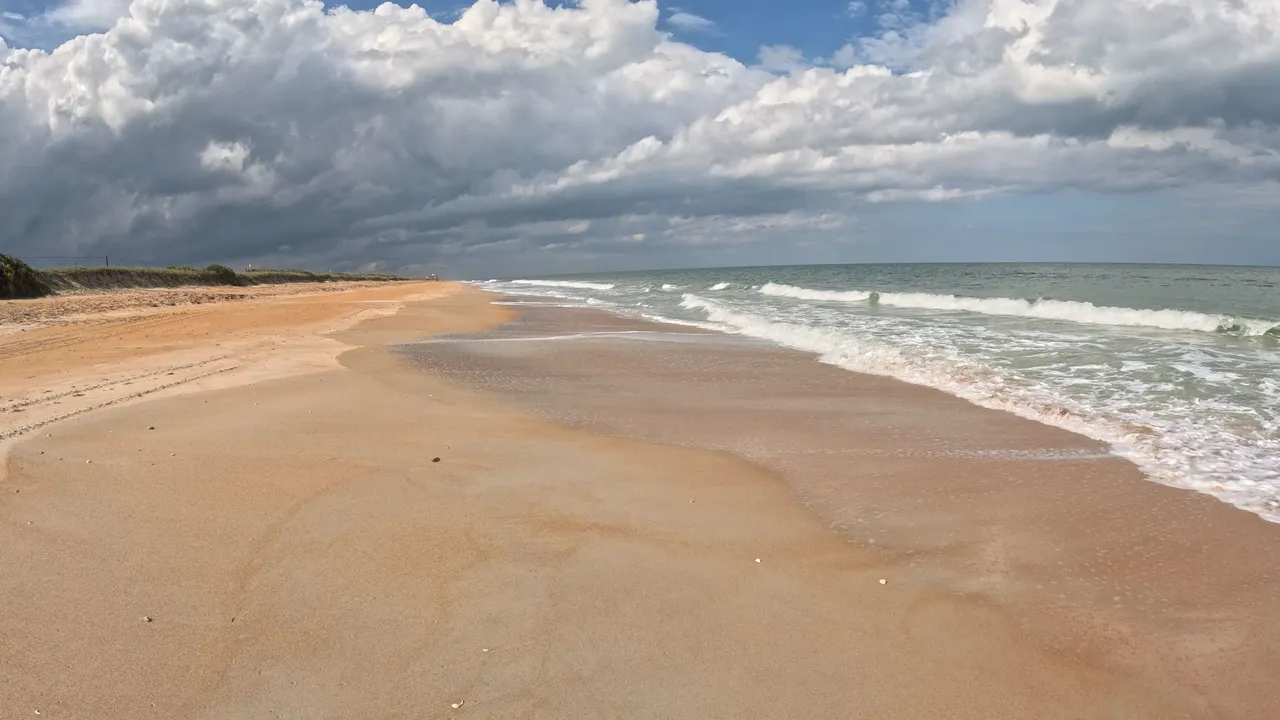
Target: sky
point(494, 139)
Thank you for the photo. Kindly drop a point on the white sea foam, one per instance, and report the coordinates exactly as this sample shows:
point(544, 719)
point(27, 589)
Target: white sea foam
point(576, 284)
point(1064, 310)
point(623, 334)
point(1160, 440)
point(800, 293)
point(1198, 410)
point(676, 321)
point(668, 287)
point(517, 303)
point(532, 291)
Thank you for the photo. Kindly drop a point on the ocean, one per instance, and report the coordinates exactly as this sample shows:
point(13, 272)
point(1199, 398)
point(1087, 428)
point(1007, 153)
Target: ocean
point(1176, 367)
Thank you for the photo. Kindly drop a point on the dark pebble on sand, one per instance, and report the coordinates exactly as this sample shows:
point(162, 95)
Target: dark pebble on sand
point(435, 459)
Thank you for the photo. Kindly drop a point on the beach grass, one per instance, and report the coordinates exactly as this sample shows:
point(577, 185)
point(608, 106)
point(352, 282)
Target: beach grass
point(18, 280)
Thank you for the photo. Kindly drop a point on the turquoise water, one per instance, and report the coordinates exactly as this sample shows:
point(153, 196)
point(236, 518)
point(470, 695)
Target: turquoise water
point(1177, 367)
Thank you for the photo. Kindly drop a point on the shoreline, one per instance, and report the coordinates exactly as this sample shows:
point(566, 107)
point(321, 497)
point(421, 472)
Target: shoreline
point(284, 543)
point(1155, 378)
point(1078, 544)
point(1115, 446)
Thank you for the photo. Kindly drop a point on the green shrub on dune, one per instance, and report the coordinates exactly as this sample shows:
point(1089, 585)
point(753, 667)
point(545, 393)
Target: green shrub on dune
point(20, 280)
point(223, 274)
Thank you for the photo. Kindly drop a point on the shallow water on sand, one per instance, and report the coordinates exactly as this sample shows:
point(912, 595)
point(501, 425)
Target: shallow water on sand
point(1071, 541)
point(1174, 367)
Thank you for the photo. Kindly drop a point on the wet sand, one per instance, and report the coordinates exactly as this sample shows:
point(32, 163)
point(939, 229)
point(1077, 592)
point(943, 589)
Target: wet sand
point(1085, 558)
point(672, 526)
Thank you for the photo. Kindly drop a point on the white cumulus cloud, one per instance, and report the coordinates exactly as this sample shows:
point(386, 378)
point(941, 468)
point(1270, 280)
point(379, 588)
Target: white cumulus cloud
point(191, 130)
point(689, 22)
point(92, 14)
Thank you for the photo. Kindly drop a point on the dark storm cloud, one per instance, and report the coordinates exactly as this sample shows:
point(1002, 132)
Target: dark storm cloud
point(192, 131)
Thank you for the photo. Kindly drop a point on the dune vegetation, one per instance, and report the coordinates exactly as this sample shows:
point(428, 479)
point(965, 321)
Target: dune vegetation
point(19, 280)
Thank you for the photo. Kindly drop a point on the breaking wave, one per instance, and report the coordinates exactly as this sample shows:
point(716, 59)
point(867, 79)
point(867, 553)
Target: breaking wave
point(800, 293)
point(579, 285)
point(1173, 454)
point(1064, 310)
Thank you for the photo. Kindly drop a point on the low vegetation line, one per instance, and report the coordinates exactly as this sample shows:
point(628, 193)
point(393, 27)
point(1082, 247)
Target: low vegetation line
point(19, 280)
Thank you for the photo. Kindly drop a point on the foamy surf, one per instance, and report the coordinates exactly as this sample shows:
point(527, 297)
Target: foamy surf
point(799, 293)
point(1060, 310)
point(575, 284)
point(1187, 390)
point(1171, 453)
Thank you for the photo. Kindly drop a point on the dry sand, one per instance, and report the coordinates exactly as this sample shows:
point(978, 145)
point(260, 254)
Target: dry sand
point(66, 355)
point(282, 544)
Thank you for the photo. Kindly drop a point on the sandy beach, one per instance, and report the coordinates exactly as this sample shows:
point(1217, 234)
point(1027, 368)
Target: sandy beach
point(274, 507)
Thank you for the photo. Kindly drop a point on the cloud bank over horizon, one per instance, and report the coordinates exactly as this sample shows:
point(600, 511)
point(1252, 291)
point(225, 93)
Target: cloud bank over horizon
point(519, 137)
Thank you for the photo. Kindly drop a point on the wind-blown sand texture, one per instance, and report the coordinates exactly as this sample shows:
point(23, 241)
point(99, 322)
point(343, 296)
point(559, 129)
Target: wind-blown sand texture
point(265, 533)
